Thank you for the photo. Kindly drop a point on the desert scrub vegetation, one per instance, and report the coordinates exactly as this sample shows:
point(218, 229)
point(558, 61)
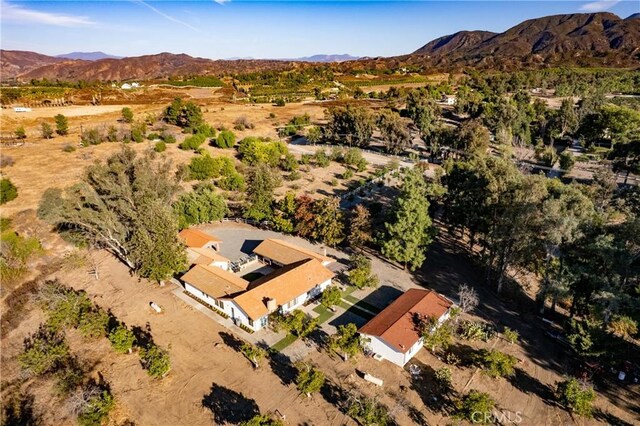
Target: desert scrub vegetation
point(576, 396)
point(155, 360)
point(8, 191)
point(15, 252)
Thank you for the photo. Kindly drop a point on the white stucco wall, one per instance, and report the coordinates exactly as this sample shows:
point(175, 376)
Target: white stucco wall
point(221, 264)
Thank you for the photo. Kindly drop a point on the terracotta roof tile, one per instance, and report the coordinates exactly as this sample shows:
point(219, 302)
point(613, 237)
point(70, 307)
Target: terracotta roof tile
point(283, 285)
point(204, 256)
point(215, 281)
point(287, 253)
point(396, 324)
point(196, 238)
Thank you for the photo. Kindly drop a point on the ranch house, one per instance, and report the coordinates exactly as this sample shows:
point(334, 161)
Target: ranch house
point(285, 277)
point(393, 334)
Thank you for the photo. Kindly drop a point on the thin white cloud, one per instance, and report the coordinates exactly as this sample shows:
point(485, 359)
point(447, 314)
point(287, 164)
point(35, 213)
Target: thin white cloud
point(222, 2)
point(169, 17)
point(599, 6)
point(23, 15)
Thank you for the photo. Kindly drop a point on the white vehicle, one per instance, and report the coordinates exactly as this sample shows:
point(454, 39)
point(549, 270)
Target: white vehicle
point(22, 109)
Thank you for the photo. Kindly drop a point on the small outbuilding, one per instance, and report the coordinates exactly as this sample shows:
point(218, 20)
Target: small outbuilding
point(394, 333)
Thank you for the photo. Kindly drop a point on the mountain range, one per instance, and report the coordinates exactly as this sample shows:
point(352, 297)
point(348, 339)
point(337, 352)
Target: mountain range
point(584, 39)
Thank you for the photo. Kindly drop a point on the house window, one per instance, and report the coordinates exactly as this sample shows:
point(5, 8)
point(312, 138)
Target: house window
point(263, 321)
point(250, 322)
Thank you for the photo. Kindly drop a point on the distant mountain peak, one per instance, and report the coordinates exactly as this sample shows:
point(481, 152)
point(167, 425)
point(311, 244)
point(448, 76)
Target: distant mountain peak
point(88, 56)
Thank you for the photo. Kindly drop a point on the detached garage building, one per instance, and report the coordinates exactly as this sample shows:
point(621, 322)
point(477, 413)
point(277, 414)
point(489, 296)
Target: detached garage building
point(393, 333)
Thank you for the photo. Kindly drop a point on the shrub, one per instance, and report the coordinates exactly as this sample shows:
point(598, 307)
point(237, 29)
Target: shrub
point(122, 339)
point(127, 115)
point(226, 139)
point(510, 335)
point(242, 123)
point(567, 161)
point(206, 167)
point(262, 420)
point(309, 379)
point(279, 102)
point(91, 137)
point(64, 306)
point(69, 148)
point(8, 191)
point(44, 351)
point(333, 182)
point(576, 396)
point(138, 131)
point(347, 174)
point(160, 147)
point(20, 133)
point(68, 378)
point(289, 163)
point(321, 158)
point(46, 130)
point(94, 324)
point(167, 137)
point(112, 134)
point(476, 407)
point(367, 411)
point(62, 124)
point(155, 360)
point(260, 150)
point(6, 161)
point(496, 363)
point(294, 175)
point(183, 114)
point(233, 182)
point(96, 409)
point(193, 142)
point(204, 129)
point(443, 379)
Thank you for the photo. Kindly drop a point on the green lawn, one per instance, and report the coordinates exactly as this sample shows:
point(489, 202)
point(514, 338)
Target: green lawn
point(324, 314)
point(279, 346)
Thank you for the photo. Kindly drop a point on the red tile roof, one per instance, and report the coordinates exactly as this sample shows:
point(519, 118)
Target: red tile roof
point(196, 238)
point(396, 323)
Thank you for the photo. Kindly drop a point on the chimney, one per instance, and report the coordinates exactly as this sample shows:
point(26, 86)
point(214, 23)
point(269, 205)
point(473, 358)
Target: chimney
point(271, 304)
point(324, 251)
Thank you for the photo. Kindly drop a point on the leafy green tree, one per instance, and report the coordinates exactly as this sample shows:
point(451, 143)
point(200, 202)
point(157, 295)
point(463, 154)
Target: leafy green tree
point(329, 221)
point(15, 253)
point(346, 341)
point(476, 407)
point(436, 335)
point(91, 136)
point(253, 353)
point(226, 139)
point(360, 273)
point(124, 206)
point(263, 181)
point(122, 339)
point(299, 323)
point(8, 191)
point(423, 111)
point(44, 351)
point(64, 306)
point(359, 227)
point(309, 380)
point(510, 335)
point(62, 124)
point(155, 360)
point(202, 205)
point(496, 363)
point(331, 296)
point(46, 130)
point(127, 115)
point(409, 231)
point(354, 125)
point(443, 380)
point(394, 132)
point(260, 150)
point(576, 396)
point(96, 409)
point(183, 114)
point(473, 137)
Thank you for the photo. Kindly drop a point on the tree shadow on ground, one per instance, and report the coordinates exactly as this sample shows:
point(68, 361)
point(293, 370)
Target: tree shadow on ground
point(231, 340)
point(527, 384)
point(463, 352)
point(229, 406)
point(281, 365)
point(319, 338)
point(335, 395)
point(433, 398)
point(382, 297)
point(414, 414)
point(608, 418)
point(144, 338)
point(17, 410)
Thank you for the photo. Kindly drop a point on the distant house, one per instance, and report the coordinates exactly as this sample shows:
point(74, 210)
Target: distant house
point(393, 334)
point(293, 276)
point(22, 109)
point(449, 99)
point(125, 86)
point(196, 238)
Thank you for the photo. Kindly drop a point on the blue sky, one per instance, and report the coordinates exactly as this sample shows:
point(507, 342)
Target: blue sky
point(263, 29)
